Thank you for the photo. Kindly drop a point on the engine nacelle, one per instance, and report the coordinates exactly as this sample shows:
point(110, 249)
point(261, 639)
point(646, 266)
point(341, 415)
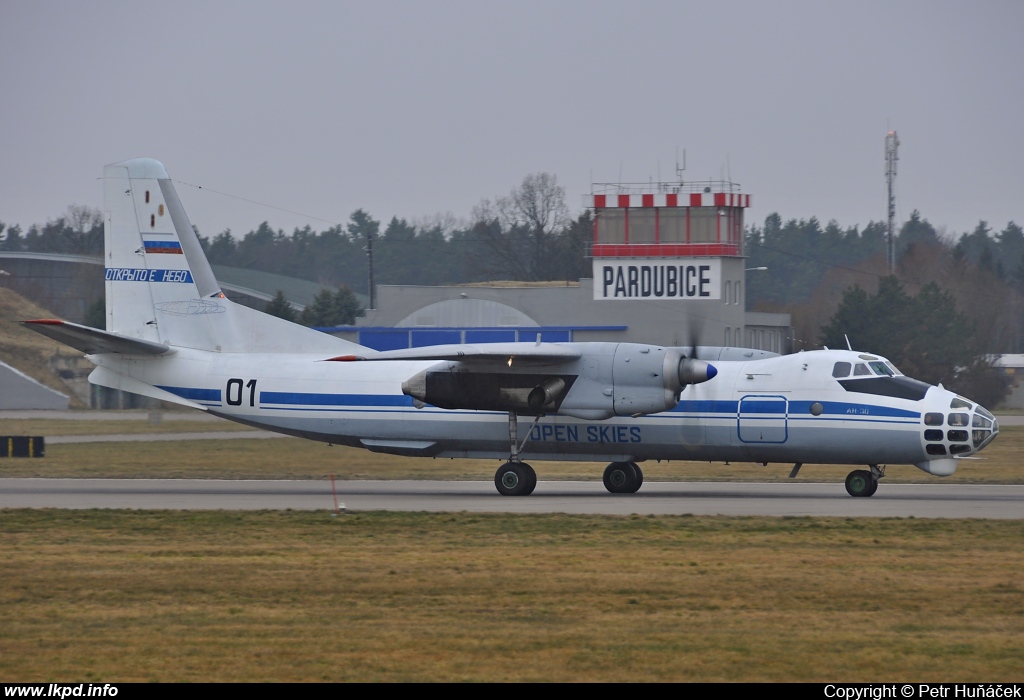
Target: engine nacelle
point(609, 379)
point(648, 378)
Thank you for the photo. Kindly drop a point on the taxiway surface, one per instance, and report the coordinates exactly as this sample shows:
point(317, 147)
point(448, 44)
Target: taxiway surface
point(670, 498)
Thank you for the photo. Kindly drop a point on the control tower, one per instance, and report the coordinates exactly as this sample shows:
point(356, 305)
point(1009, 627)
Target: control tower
point(680, 244)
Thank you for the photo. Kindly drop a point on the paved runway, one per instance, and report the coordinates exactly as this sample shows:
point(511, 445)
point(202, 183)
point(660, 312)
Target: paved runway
point(698, 498)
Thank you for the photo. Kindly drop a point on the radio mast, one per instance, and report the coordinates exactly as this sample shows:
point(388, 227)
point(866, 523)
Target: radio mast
point(891, 144)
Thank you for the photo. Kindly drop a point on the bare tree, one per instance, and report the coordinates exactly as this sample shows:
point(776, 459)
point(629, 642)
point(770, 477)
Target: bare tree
point(519, 228)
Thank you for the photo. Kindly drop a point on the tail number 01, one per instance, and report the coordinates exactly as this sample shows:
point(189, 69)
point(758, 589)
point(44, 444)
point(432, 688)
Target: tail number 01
point(234, 392)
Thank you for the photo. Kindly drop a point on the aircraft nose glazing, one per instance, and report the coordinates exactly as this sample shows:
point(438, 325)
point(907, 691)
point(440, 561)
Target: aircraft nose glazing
point(984, 428)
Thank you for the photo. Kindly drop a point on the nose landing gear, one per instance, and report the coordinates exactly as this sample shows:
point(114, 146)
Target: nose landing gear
point(863, 484)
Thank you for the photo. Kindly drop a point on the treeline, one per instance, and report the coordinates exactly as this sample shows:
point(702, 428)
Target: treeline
point(79, 231)
point(531, 235)
point(801, 254)
point(404, 253)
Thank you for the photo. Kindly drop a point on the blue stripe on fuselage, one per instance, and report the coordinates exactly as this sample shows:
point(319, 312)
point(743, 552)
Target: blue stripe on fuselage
point(288, 398)
point(829, 408)
point(193, 394)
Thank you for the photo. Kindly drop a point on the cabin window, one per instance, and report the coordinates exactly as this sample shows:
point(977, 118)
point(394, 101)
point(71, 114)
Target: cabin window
point(703, 225)
point(861, 371)
point(933, 418)
point(958, 420)
point(841, 369)
point(672, 225)
point(933, 435)
point(611, 226)
point(957, 435)
point(641, 225)
point(881, 369)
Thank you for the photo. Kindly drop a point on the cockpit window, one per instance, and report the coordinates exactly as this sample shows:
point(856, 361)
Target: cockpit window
point(959, 403)
point(933, 418)
point(881, 369)
point(861, 371)
point(841, 369)
point(895, 371)
point(958, 419)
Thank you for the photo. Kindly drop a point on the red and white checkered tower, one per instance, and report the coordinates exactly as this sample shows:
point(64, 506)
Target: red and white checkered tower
point(676, 244)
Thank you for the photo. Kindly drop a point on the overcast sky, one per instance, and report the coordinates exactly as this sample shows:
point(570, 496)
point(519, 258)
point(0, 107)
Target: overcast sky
point(411, 109)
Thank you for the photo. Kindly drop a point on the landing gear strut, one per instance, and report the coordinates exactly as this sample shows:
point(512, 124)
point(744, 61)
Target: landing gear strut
point(863, 484)
point(623, 477)
point(515, 477)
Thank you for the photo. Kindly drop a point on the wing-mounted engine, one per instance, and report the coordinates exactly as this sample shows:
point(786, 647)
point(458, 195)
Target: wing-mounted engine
point(649, 379)
point(602, 380)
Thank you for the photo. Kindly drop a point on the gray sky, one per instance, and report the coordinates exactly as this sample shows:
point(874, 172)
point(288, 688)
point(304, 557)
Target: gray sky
point(416, 108)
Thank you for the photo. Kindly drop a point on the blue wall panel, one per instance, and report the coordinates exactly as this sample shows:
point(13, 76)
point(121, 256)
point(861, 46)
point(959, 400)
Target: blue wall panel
point(384, 340)
point(435, 337)
point(490, 336)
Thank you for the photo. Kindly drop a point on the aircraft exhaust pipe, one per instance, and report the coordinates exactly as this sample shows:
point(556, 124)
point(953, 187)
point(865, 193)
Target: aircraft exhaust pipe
point(545, 394)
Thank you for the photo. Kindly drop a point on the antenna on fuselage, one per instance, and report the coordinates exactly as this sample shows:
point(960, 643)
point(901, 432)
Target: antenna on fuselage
point(848, 346)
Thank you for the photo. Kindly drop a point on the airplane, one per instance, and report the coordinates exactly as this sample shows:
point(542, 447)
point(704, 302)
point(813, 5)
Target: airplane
point(171, 334)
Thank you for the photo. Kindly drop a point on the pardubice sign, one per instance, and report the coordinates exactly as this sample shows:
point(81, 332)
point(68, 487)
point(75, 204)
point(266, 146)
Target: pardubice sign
point(670, 278)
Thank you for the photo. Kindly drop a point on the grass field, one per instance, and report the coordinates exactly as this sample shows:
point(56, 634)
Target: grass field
point(294, 596)
point(292, 458)
point(291, 596)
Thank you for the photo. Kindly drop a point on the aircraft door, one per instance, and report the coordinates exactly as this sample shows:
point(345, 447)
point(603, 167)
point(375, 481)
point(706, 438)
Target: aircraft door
point(763, 419)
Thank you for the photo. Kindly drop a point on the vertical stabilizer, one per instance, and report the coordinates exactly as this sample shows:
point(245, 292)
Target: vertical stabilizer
point(159, 284)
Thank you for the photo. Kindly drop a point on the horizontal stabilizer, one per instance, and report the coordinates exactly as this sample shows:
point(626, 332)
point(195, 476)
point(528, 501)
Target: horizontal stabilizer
point(93, 341)
point(490, 352)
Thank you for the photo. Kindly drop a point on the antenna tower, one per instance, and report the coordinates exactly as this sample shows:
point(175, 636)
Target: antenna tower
point(891, 144)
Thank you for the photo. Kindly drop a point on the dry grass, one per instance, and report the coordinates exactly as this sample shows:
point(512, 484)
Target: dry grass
point(29, 352)
point(292, 458)
point(290, 596)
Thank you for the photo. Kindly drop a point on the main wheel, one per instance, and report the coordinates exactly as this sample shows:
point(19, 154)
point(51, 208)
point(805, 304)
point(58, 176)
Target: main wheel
point(531, 478)
point(621, 477)
point(874, 487)
point(512, 479)
point(860, 484)
point(639, 477)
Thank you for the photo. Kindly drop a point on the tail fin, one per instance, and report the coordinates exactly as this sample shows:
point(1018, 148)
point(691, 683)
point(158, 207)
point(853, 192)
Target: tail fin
point(159, 285)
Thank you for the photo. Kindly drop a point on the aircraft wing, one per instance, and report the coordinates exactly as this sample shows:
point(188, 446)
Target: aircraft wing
point(93, 341)
point(504, 353)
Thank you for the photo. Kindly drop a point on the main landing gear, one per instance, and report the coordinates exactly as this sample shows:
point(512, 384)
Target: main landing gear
point(515, 477)
point(623, 477)
point(863, 484)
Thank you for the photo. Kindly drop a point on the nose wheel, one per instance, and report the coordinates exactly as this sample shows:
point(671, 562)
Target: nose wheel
point(623, 477)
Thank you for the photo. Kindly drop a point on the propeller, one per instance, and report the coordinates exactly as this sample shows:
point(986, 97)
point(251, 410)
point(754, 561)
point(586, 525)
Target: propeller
point(692, 370)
